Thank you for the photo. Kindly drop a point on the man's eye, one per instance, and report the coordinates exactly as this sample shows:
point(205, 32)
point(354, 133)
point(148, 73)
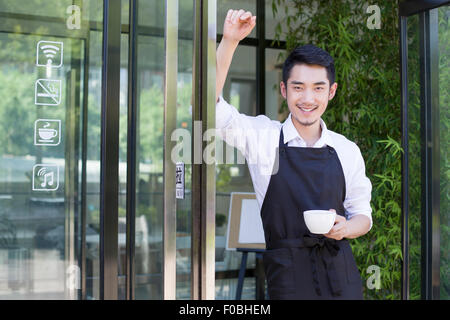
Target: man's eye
point(297, 88)
point(319, 88)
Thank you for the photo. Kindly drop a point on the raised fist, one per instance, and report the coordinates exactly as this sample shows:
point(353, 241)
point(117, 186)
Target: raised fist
point(238, 24)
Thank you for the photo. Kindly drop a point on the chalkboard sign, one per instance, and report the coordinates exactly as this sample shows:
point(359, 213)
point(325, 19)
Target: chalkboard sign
point(245, 229)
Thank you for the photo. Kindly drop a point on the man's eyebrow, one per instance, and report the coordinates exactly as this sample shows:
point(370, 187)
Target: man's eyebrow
point(315, 83)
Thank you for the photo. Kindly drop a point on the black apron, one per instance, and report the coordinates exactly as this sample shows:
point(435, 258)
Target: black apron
point(297, 263)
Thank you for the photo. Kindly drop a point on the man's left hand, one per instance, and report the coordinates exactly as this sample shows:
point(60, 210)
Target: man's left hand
point(339, 230)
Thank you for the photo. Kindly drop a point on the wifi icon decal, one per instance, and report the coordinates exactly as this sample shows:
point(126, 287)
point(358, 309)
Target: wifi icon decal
point(49, 54)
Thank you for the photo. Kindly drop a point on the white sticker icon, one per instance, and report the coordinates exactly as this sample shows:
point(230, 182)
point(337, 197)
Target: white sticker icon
point(47, 92)
point(49, 54)
point(47, 132)
point(45, 177)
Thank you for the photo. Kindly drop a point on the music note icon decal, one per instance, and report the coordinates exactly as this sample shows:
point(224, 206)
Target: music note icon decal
point(45, 177)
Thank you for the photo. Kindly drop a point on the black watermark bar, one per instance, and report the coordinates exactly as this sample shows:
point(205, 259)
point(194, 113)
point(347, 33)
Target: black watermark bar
point(225, 309)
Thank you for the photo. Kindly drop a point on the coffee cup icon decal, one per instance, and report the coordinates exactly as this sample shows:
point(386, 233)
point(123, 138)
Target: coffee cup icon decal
point(47, 132)
point(47, 135)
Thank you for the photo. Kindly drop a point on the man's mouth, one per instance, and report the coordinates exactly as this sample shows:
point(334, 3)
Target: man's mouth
point(309, 109)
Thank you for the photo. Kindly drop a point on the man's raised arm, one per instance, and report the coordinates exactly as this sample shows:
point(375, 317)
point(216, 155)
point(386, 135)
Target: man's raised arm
point(238, 24)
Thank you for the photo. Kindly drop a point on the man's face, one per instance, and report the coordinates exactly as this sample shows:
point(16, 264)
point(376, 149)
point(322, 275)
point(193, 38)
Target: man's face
point(307, 93)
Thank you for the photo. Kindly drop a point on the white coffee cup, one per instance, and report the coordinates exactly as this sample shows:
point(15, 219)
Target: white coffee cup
point(319, 221)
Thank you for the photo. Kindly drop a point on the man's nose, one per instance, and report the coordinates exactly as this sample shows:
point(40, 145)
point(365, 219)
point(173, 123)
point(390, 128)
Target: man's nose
point(308, 97)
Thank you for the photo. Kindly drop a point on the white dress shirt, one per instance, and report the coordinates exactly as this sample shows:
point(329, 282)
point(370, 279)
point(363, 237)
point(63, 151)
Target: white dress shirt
point(257, 138)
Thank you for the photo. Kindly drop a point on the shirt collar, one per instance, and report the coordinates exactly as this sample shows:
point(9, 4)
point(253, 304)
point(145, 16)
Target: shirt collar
point(290, 132)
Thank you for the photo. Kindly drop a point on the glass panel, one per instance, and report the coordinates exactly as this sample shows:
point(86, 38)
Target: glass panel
point(272, 19)
point(274, 75)
point(444, 116)
point(184, 122)
point(149, 144)
point(50, 97)
point(123, 134)
point(152, 14)
point(415, 183)
point(93, 166)
point(240, 91)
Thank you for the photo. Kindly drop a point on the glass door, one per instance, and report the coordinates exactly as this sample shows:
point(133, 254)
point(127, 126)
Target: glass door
point(425, 39)
point(163, 77)
point(170, 250)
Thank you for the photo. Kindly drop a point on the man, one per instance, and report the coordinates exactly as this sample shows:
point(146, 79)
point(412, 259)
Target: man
point(317, 169)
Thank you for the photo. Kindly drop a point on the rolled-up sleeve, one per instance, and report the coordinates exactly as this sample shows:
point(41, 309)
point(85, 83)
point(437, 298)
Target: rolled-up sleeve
point(224, 113)
point(359, 189)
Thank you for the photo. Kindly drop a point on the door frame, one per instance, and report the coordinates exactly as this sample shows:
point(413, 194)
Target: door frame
point(109, 160)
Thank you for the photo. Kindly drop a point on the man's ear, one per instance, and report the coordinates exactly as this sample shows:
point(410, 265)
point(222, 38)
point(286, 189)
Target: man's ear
point(283, 89)
point(333, 89)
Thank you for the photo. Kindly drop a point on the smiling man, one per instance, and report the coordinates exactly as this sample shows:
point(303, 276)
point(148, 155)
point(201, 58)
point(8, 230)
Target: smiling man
point(308, 84)
point(317, 169)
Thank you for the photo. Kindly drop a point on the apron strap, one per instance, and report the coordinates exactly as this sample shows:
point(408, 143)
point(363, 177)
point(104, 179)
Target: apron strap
point(281, 142)
point(322, 247)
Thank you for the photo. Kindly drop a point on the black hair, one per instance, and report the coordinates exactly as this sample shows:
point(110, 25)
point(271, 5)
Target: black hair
point(311, 55)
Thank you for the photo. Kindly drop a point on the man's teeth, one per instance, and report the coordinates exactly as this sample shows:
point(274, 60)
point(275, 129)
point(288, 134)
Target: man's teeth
point(307, 110)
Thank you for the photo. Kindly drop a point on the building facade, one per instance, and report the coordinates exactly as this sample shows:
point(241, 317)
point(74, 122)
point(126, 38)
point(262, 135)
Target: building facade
point(98, 200)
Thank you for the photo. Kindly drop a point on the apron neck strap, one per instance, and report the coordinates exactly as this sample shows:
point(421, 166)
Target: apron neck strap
point(281, 143)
